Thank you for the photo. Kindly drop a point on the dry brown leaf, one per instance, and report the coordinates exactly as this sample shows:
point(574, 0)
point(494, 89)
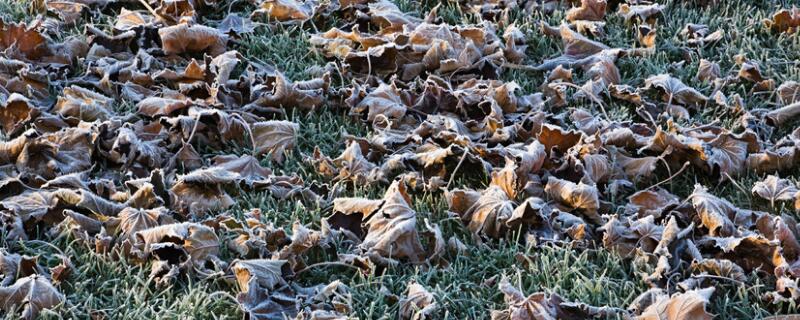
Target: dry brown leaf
point(386, 100)
point(280, 93)
point(628, 236)
point(690, 305)
point(32, 294)
point(714, 213)
point(545, 306)
point(285, 10)
point(593, 10)
point(83, 104)
point(14, 266)
point(248, 167)
point(707, 70)
point(674, 90)
point(720, 267)
point(418, 303)
point(488, 214)
point(263, 273)
point(185, 38)
point(130, 221)
point(576, 48)
point(641, 13)
point(199, 242)
point(783, 115)
point(391, 231)
point(773, 188)
point(16, 112)
point(784, 20)
point(275, 137)
point(26, 41)
point(156, 107)
point(651, 202)
point(579, 196)
point(202, 191)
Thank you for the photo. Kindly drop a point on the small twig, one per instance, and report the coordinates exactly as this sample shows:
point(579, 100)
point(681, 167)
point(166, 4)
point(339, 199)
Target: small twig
point(149, 8)
point(591, 96)
point(327, 263)
point(47, 244)
point(516, 66)
point(685, 165)
point(453, 175)
point(249, 131)
point(194, 129)
point(213, 295)
point(738, 186)
point(718, 277)
point(707, 125)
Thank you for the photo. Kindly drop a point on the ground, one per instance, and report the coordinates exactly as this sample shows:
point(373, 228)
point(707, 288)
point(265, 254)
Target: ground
point(467, 287)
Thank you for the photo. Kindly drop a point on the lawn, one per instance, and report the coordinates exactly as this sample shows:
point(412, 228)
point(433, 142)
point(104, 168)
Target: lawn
point(464, 281)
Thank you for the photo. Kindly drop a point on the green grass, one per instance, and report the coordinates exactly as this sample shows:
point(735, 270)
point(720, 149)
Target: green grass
point(466, 289)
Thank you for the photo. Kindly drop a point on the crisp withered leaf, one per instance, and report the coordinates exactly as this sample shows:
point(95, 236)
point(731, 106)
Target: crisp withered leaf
point(488, 213)
point(25, 40)
point(674, 90)
point(260, 273)
point(784, 20)
point(285, 10)
point(303, 239)
point(707, 70)
point(651, 202)
point(202, 190)
point(248, 167)
point(579, 196)
point(641, 13)
point(385, 100)
point(418, 303)
point(544, 306)
point(69, 11)
point(83, 104)
point(275, 137)
point(576, 49)
point(15, 112)
point(788, 92)
point(281, 93)
point(30, 294)
point(14, 266)
point(158, 106)
point(783, 115)
point(130, 221)
point(714, 213)
point(391, 231)
point(198, 241)
point(720, 267)
point(185, 38)
point(774, 188)
point(594, 10)
point(627, 236)
point(689, 305)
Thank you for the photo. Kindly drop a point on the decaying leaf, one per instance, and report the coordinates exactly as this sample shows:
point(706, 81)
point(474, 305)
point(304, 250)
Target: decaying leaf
point(30, 294)
point(687, 305)
point(674, 90)
point(274, 137)
point(418, 303)
point(185, 38)
point(773, 188)
point(784, 20)
point(577, 196)
point(593, 10)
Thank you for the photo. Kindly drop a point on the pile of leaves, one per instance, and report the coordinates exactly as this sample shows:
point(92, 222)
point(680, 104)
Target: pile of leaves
point(156, 183)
